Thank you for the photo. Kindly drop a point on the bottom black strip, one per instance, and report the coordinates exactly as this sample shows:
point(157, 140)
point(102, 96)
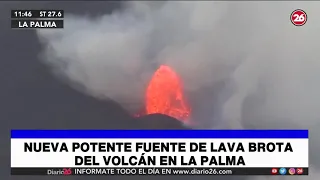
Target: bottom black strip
point(159, 171)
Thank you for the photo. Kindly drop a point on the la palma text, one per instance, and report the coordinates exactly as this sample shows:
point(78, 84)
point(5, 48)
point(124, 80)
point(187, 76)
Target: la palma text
point(144, 160)
point(26, 24)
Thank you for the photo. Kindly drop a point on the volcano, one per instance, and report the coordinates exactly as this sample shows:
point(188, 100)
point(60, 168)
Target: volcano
point(159, 121)
point(164, 95)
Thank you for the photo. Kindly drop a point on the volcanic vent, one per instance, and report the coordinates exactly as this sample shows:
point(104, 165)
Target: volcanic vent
point(164, 95)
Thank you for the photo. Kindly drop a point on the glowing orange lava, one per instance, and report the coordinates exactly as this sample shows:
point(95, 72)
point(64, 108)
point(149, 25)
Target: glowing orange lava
point(165, 95)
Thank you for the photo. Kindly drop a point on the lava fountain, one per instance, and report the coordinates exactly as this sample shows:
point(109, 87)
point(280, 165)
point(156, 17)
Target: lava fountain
point(164, 95)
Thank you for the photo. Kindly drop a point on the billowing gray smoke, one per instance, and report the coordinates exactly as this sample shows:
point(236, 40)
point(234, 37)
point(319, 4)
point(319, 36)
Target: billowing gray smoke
point(272, 68)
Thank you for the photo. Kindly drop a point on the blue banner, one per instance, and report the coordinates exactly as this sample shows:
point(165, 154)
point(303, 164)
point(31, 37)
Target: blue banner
point(166, 134)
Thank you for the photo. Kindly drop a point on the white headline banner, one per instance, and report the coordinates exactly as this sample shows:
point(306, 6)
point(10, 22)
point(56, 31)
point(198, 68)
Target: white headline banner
point(159, 152)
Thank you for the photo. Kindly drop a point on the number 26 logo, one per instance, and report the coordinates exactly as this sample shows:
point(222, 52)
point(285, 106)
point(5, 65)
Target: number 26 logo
point(298, 17)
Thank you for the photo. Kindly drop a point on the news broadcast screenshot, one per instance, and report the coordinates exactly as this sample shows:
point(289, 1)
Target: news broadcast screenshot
point(160, 90)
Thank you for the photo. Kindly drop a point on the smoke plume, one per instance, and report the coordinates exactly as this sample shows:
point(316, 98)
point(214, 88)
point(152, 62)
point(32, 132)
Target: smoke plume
point(270, 68)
